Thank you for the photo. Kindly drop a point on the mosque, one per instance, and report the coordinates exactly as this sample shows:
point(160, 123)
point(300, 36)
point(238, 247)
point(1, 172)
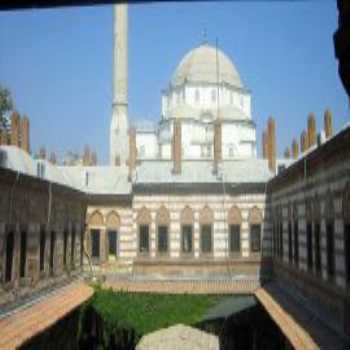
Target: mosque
point(186, 200)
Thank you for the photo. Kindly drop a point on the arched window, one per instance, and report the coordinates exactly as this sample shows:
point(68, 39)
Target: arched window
point(255, 222)
point(163, 223)
point(10, 245)
point(197, 95)
point(290, 240)
point(144, 223)
point(113, 224)
point(206, 220)
point(234, 221)
point(296, 234)
point(96, 223)
point(213, 95)
point(187, 230)
point(316, 213)
point(329, 215)
point(346, 218)
point(309, 235)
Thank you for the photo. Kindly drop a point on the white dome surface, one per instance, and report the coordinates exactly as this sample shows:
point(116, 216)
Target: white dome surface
point(199, 66)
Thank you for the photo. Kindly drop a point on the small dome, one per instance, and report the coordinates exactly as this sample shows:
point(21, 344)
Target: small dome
point(199, 66)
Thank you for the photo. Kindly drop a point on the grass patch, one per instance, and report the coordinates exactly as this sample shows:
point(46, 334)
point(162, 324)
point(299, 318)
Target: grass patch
point(125, 317)
point(146, 312)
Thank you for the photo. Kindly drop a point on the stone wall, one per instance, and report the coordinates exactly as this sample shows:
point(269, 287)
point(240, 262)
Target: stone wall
point(31, 209)
point(314, 192)
point(173, 210)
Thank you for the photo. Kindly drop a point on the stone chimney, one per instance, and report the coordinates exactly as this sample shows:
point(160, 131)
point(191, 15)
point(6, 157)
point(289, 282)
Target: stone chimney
point(295, 149)
point(87, 156)
point(42, 153)
point(311, 130)
point(271, 144)
point(217, 144)
point(328, 124)
point(24, 124)
point(264, 144)
point(133, 152)
point(53, 159)
point(177, 147)
point(287, 153)
point(93, 158)
point(15, 129)
point(303, 142)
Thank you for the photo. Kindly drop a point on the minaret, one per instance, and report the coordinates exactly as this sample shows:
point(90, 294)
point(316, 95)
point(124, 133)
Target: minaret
point(119, 152)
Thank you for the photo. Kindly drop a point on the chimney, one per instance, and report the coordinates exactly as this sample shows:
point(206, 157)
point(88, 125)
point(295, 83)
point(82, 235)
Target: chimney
point(311, 130)
point(287, 153)
point(93, 158)
point(25, 145)
point(133, 152)
point(15, 126)
point(271, 144)
point(303, 142)
point(177, 147)
point(328, 127)
point(42, 153)
point(217, 144)
point(53, 159)
point(295, 149)
point(87, 156)
point(264, 144)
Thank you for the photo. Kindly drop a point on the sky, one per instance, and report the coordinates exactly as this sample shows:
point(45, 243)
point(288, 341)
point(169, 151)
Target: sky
point(58, 65)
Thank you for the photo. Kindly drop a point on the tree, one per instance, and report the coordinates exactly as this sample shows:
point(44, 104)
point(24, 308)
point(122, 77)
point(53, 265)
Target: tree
point(6, 105)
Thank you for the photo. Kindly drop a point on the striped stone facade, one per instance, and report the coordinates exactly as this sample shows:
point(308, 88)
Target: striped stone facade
point(174, 210)
point(310, 203)
point(36, 215)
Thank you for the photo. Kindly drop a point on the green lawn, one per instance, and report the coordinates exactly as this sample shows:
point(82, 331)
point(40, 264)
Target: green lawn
point(148, 312)
point(142, 313)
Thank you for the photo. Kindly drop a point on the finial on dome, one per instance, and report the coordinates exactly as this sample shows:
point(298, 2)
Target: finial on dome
point(205, 36)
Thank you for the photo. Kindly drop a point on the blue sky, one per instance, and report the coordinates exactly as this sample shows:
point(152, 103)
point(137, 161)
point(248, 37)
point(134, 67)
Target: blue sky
point(58, 64)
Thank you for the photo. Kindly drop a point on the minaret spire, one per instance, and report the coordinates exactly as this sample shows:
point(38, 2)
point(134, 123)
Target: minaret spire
point(119, 152)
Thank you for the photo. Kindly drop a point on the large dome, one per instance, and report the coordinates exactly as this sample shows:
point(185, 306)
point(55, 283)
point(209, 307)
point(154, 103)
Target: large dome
point(199, 66)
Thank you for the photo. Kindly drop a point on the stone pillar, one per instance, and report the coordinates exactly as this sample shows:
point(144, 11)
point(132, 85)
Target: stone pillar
point(328, 124)
point(287, 153)
point(295, 149)
point(133, 152)
point(25, 145)
point(271, 144)
point(217, 144)
point(177, 147)
point(303, 142)
point(311, 130)
point(264, 145)
point(15, 127)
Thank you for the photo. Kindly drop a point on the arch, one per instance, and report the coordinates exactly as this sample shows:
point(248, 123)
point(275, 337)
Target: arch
point(346, 204)
point(187, 216)
point(96, 219)
point(255, 216)
point(329, 206)
point(316, 208)
point(144, 216)
point(308, 210)
point(206, 216)
point(295, 211)
point(113, 220)
point(163, 216)
point(234, 216)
